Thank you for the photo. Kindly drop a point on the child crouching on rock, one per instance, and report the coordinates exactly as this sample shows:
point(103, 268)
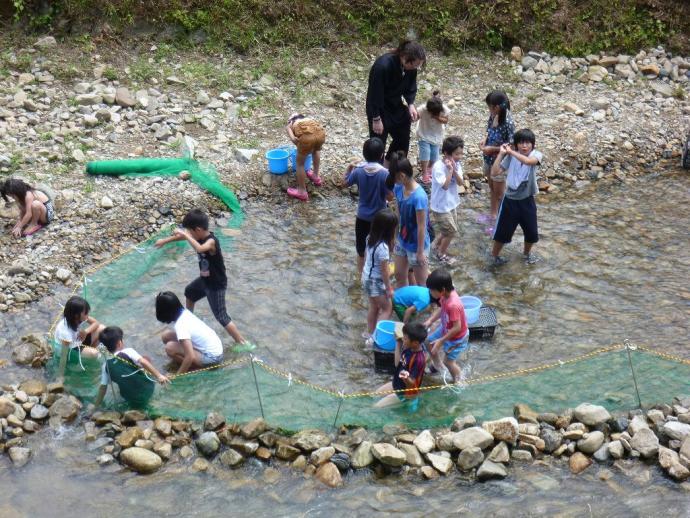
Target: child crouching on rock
point(121, 369)
point(77, 332)
point(35, 207)
point(410, 362)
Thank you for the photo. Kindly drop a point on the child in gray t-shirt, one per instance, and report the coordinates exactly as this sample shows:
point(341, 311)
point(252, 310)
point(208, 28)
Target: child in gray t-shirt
point(518, 206)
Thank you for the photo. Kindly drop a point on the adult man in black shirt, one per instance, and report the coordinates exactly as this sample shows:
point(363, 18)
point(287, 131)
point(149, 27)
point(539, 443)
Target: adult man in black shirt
point(392, 78)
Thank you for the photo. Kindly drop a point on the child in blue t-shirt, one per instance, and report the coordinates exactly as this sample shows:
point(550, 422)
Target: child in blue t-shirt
point(410, 300)
point(413, 243)
point(370, 178)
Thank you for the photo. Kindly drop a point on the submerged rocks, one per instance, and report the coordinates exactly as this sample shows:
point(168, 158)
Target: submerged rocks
point(140, 460)
point(388, 454)
point(579, 462)
point(329, 474)
point(208, 444)
point(489, 470)
point(19, 456)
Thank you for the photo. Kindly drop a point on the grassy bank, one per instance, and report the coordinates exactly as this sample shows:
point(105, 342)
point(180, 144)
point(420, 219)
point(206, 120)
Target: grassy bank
point(565, 27)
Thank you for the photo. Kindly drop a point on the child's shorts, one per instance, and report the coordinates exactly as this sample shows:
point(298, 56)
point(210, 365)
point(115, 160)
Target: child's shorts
point(427, 151)
point(452, 348)
point(411, 256)
point(210, 359)
point(445, 223)
point(513, 213)
point(50, 211)
point(310, 136)
point(374, 287)
point(400, 310)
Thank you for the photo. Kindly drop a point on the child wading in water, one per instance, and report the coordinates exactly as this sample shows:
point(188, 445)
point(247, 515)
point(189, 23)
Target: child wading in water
point(212, 281)
point(499, 131)
point(518, 206)
point(446, 176)
point(376, 274)
point(452, 336)
point(370, 178)
point(35, 207)
point(121, 369)
point(412, 245)
point(410, 364)
point(308, 135)
point(77, 332)
point(432, 117)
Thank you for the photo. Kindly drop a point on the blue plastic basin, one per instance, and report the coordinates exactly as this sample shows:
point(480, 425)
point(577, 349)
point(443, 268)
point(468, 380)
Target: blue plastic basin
point(472, 306)
point(384, 335)
point(277, 161)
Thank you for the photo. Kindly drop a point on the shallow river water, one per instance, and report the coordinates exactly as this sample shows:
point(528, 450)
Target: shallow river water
point(615, 264)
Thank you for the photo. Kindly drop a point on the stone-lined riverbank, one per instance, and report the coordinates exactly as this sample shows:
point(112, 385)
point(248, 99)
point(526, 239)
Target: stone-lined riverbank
point(474, 451)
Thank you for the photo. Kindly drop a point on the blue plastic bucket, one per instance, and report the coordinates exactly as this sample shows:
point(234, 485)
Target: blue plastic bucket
point(472, 306)
point(293, 160)
point(384, 335)
point(277, 161)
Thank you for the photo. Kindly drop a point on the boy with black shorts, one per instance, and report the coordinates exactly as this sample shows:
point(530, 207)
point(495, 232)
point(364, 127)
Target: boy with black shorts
point(519, 163)
point(212, 281)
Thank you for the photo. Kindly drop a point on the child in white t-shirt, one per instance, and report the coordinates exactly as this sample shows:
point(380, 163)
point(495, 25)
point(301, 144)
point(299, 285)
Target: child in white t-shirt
point(135, 394)
point(191, 343)
point(77, 331)
point(445, 178)
point(432, 118)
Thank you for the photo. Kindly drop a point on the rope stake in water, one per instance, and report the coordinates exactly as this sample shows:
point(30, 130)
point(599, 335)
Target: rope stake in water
point(256, 383)
point(628, 347)
point(340, 404)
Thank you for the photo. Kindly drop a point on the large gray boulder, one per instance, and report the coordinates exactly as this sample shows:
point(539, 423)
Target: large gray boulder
point(591, 415)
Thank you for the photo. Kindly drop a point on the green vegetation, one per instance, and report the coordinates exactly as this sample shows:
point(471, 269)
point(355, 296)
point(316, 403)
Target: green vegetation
point(564, 27)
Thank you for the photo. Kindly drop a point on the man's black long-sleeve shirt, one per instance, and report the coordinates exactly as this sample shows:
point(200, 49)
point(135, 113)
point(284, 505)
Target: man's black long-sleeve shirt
point(387, 84)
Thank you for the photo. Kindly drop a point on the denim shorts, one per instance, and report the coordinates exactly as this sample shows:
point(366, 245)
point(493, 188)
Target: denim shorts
point(411, 256)
point(428, 151)
point(452, 348)
point(210, 359)
point(374, 287)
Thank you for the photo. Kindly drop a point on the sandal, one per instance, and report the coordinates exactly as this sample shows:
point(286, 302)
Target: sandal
point(316, 180)
point(296, 193)
point(33, 230)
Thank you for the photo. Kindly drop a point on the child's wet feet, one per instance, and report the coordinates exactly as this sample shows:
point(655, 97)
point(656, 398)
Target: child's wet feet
point(316, 180)
point(297, 194)
point(531, 258)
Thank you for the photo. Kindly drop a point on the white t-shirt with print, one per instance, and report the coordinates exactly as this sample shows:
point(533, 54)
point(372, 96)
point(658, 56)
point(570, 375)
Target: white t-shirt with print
point(444, 200)
point(204, 339)
point(130, 353)
point(64, 333)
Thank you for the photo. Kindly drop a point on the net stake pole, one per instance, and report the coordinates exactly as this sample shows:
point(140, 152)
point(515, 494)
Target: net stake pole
point(340, 404)
point(256, 384)
point(629, 346)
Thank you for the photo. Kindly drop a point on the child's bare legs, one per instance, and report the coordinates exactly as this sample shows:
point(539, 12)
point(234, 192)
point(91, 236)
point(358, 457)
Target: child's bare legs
point(443, 244)
point(421, 272)
point(89, 352)
point(38, 216)
point(496, 250)
point(360, 265)
point(401, 265)
point(189, 304)
point(175, 351)
point(453, 368)
point(527, 248)
point(388, 399)
point(380, 308)
point(301, 173)
point(316, 162)
point(437, 359)
point(410, 277)
point(424, 166)
point(497, 190)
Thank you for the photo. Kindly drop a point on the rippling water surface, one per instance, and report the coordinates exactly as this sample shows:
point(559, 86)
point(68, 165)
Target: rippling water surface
point(615, 264)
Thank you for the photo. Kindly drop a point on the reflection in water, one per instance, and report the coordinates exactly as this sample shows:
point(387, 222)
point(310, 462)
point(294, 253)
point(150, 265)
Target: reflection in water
point(615, 269)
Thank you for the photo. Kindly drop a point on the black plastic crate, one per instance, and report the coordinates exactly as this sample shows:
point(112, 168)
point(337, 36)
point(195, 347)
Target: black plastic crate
point(384, 361)
point(486, 325)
